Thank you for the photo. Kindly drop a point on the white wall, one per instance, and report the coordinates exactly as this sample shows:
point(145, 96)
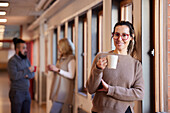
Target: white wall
point(5, 55)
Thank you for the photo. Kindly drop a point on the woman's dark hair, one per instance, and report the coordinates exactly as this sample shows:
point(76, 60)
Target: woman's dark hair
point(17, 41)
point(131, 46)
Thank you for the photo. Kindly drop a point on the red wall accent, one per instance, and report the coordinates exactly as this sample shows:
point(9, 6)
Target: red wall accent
point(30, 57)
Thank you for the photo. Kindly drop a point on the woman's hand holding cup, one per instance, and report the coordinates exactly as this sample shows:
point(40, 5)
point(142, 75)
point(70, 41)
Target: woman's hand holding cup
point(102, 63)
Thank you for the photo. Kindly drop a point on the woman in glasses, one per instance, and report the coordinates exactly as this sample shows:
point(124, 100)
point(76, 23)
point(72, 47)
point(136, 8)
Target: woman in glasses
point(117, 88)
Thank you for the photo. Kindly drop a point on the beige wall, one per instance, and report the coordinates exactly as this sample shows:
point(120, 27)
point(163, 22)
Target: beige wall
point(5, 55)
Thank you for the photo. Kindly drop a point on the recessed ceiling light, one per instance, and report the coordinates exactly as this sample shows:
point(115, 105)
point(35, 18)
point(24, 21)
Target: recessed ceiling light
point(2, 12)
point(3, 20)
point(4, 4)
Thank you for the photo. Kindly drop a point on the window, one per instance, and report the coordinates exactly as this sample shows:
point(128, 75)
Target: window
point(126, 11)
point(82, 53)
point(71, 30)
point(55, 38)
point(115, 17)
point(121, 10)
point(62, 32)
point(97, 31)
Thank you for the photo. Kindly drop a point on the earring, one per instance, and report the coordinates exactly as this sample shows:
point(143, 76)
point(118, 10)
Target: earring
point(133, 35)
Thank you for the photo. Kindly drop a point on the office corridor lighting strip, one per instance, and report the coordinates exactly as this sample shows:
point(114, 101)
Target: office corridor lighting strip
point(4, 4)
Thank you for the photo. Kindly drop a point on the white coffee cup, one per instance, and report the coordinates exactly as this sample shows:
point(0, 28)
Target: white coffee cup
point(112, 61)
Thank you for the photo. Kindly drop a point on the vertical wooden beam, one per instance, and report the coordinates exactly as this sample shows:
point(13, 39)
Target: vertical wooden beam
point(161, 56)
point(21, 31)
point(76, 54)
point(42, 60)
point(156, 46)
point(66, 30)
point(107, 16)
point(49, 77)
point(100, 16)
point(89, 22)
point(137, 23)
point(85, 38)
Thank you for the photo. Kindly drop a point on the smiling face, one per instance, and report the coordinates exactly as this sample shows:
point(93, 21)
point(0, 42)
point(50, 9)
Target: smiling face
point(121, 38)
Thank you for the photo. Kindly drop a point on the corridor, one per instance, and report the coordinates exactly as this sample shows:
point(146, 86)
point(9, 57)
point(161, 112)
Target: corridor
point(89, 25)
point(4, 100)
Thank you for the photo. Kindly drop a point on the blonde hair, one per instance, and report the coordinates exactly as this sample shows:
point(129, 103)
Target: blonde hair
point(65, 47)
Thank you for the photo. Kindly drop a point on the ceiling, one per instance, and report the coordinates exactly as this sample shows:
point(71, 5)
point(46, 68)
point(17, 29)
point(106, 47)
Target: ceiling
point(27, 12)
point(19, 12)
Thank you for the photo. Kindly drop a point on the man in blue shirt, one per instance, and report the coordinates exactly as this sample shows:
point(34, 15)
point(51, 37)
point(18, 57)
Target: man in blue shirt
point(20, 71)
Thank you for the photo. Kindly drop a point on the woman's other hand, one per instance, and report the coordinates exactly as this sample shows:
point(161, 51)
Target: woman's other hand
point(102, 63)
point(53, 68)
point(105, 86)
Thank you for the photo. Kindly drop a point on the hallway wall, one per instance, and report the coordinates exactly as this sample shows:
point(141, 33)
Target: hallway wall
point(4, 56)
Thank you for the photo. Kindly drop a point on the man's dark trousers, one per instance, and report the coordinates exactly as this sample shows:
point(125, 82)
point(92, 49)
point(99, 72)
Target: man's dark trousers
point(20, 101)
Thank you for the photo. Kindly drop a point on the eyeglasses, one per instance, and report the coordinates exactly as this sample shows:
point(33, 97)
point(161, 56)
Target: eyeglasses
point(124, 36)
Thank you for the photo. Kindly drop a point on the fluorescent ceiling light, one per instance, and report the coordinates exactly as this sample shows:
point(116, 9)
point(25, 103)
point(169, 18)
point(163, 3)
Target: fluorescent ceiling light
point(4, 4)
point(2, 12)
point(3, 20)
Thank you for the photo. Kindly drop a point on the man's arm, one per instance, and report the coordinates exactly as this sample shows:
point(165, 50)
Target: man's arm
point(14, 73)
point(31, 68)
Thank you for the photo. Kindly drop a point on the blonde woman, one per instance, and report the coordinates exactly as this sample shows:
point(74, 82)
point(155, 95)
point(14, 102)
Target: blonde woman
point(63, 81)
